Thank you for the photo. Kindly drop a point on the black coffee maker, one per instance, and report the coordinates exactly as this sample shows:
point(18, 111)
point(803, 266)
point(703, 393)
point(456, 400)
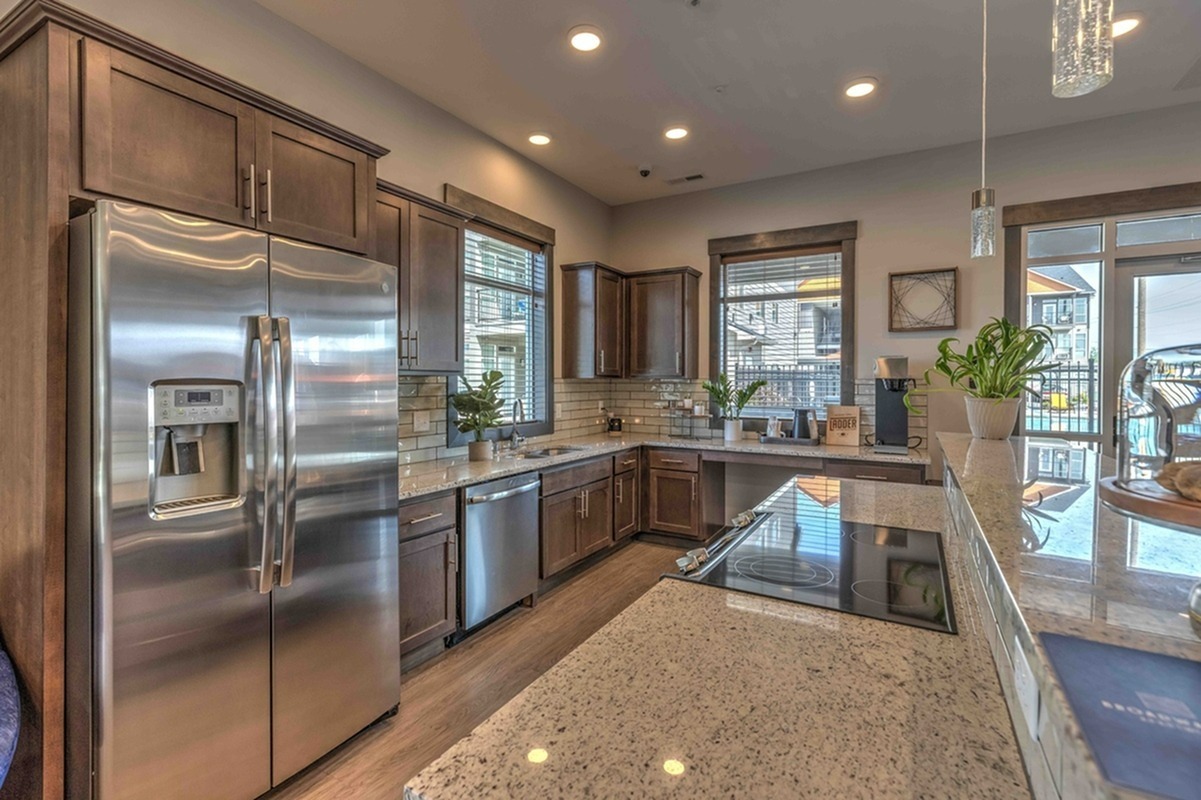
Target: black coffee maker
point(892, 417)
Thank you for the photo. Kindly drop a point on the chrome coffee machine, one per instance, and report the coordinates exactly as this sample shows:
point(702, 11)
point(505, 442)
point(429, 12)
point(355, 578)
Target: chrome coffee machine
point(892, 417)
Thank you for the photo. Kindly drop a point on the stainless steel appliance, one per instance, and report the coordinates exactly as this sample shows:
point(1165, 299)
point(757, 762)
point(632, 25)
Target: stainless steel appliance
point(892, 416)
point(500, 546)
point(799, 549)
point(232, 542)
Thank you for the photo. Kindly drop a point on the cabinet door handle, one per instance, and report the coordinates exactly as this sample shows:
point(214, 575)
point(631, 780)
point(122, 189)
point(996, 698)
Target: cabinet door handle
point(453, 559)
point(871, 477)
point(620, 483)
point(249, 198)
point(402, 352)
point(269, 194)
point(677, 352)
point(672, 460)
point(581, 508)
point(694, 488)
point(426, 518)
point(416, 357)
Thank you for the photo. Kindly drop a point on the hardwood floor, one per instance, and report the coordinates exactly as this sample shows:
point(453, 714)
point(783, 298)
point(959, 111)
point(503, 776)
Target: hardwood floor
point(445, 699)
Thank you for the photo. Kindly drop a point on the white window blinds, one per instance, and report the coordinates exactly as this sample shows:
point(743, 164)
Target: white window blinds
point(505, 318)
point(781, 321)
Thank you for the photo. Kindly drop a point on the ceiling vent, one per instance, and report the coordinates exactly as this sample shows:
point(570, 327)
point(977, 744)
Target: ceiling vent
point(1192, 78)
point(685, 179)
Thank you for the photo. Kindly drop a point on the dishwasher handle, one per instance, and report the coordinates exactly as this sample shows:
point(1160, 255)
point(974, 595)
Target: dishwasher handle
point(488, 498)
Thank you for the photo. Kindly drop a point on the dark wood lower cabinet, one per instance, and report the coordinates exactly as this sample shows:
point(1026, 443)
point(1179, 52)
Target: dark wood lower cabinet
point(560, 545)
point(674, 503)
point(576, 523)
point(596, 526)
point(428, 566)
point(625, 504)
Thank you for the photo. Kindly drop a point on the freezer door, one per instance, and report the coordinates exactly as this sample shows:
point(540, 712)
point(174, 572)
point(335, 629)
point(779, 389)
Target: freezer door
point(180, 657)
point(336, 610)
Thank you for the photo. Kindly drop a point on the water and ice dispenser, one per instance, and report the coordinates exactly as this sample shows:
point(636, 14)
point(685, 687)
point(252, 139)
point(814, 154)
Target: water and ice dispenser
point(197, 442)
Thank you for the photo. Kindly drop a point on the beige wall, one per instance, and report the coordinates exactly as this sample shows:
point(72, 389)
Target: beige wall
point(244, 41)
point(913, 213)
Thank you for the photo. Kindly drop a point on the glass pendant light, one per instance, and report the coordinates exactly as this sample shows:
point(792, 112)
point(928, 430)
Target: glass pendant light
point(984, 199)
point(1082, 36)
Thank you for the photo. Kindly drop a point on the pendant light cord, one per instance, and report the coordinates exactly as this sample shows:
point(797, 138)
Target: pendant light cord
point(984, 95)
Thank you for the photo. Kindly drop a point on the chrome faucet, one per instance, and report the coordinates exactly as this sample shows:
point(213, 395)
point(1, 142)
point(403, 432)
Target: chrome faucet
point(516, 440)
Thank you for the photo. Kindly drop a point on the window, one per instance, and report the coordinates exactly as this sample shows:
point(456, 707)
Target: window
point(505, 317)
point(1081, 316)
point(780, 320)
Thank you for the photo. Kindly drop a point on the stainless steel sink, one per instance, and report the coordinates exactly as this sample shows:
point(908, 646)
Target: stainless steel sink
point(547, 452)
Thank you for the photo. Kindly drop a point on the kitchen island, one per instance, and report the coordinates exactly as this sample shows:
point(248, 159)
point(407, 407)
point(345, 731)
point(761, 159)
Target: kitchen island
point(1048, 558)
point(697, 691)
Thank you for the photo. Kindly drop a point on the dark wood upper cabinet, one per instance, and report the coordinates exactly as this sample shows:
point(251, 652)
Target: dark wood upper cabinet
point(663, 310)
point(427, 588)
point(151, 135)
point(310, 187)
point(426, 247)
point(594, 323)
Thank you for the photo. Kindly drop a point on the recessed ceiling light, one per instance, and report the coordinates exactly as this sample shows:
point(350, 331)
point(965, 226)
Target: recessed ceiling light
point(539, 139)
point(1126, 24)
point(537, 755)
point(861, 87)
point(584, 37)
point(673, 767)
point(675, 133)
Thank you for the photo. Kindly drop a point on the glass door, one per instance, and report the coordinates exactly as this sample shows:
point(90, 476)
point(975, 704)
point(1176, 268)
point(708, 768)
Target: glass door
point(1158, 304)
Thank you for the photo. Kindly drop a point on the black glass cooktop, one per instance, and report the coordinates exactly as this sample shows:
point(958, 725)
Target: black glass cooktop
point(799, 550)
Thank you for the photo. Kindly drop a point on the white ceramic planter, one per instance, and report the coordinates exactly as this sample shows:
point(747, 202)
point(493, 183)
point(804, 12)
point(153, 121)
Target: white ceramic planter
point(479, 451)
point(989, 418)
point(732, 430)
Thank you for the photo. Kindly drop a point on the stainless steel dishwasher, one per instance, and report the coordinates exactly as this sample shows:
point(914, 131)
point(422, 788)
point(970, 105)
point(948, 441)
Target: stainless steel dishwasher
point(500, 546)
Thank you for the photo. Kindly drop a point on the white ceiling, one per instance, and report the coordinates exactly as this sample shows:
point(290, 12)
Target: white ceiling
point(505, 67)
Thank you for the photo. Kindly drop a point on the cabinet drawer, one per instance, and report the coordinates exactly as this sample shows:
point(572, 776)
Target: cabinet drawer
point(624, 462)
point(896, 473)
point(427, 515)
point(687, 461)
point(558, 480)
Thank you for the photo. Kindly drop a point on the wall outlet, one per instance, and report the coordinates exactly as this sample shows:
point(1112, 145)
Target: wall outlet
point(1026, 688)
point(600, 405)
point(421, 421)
point(558, 411)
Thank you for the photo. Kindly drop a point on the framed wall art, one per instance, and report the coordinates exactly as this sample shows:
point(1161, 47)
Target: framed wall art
point(927, 300)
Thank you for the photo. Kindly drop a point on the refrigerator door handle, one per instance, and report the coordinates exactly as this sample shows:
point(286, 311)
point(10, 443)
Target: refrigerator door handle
point(270, 393)
point(283, 328)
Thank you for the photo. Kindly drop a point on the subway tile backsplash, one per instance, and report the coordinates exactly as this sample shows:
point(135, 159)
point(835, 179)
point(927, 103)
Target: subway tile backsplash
point(658, 408)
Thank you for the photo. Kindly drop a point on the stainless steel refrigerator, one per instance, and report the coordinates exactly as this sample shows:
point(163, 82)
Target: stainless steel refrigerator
point(232, 448)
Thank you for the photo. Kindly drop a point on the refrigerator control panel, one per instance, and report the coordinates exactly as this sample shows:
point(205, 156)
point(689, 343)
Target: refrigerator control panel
point(195, 404)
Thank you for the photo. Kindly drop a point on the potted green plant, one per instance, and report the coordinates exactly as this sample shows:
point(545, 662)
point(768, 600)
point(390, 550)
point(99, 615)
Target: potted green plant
point(731, 401)
point(993, 371)
point(478, 409)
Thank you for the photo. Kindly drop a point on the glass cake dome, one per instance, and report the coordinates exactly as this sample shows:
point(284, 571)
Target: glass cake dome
point(1159, 437)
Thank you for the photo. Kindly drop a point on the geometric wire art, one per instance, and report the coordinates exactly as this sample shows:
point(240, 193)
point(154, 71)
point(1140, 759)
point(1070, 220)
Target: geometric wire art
point(923, 301)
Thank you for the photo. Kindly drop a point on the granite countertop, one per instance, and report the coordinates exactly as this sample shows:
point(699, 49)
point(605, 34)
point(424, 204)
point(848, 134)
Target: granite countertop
point(1070, 564)
point(436, 476)
point(754, 697)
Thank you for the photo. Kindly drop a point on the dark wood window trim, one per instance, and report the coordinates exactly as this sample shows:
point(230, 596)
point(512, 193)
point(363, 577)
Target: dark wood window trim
point(496, 216)
point(841, 235)
point(1071, 209)
point(501, 223)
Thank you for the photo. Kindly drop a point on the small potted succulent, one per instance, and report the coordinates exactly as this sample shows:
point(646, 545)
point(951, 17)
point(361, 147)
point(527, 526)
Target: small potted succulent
point(478, 409)
point(731, 401)
point(993, 371)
